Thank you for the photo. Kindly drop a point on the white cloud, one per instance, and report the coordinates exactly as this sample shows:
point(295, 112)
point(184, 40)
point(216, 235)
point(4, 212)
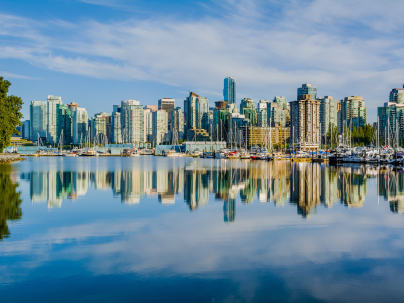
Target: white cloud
point(344, 48)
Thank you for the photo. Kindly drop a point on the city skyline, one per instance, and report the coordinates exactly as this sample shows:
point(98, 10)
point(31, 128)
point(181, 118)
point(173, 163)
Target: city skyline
point(105, 57)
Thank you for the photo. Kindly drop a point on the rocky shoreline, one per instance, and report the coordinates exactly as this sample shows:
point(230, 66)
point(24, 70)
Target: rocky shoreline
point(9, 158)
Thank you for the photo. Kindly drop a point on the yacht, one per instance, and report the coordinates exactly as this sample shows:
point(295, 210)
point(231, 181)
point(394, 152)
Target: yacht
point(70, 155)
point(173, 153)
point(220, 154)
point(90, 153)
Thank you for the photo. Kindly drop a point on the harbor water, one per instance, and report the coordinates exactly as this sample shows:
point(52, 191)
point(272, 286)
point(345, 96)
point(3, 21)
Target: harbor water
point(160, 229)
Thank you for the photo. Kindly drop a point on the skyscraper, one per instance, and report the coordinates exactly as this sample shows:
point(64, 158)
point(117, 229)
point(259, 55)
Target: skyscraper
point(53, 101)
point(116, 130)
point(160, 126)
point(278, 112)
point(354, 112)
point(148, 125)
point(305, 122)
point(64, 124)
point(391, 118)
point(247, 108)
point(307, 89)
point(132, 121)
point(39, 120)
point(229, 90)
point(328, 113)
point(190, 115)
point(167, 104)
point(202, 109)
point(262, 113)
point(177, 123)
point(80, 125)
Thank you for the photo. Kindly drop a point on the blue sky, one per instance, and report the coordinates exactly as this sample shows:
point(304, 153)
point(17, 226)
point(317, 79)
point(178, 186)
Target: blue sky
point(99, 52)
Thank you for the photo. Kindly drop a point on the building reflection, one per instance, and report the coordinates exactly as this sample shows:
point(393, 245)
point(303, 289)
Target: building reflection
point(305, 186)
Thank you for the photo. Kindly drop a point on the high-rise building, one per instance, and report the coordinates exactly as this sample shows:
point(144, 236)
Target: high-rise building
point(307, 89)
point(190, 115)
point(328, 113)
point(167, 104)
point(354, 112)
point(247, 108)
point(262, 113)
point(39, 120)
point(391, 118)
point(305, 122)
point(282, 102)
point(152, 108)
point(99, 127)
point(339, 117)
point(229, 90)
point(73, 105)
point(278, 112)
point(177, 123)
point(80, 125)
point(64, 124)
point(160, 127)
point(236, 123)
point(148, 125)
point(53, 101)
point(132, 122)
point(202, 110)
point(116, 130)
point(220, 124)
point(26, 130)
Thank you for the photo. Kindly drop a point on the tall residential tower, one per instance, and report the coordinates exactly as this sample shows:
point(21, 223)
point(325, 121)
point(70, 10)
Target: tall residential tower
point(229, 90)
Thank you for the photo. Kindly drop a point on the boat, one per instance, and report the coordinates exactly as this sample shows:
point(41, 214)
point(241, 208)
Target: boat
point(173, 153)
point(244, 155)
point(197, 153)
point(70, 155)
point(220, 155)
point(208, 155)
point(134, 155)
point(90, 153)
point(147, 152)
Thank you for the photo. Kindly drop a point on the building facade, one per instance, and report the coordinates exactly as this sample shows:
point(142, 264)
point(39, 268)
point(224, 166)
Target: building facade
point(305, 122)
point(354, 112)
point(168, 105)
point(391, 119)
point(39, 120)
point(307, 89)
point(248, 109)
point(160, 127)
point(177, 123)
point(53, 101)
point(328, 114)
point(229, 90)
point(80, 125)
point(132, 122)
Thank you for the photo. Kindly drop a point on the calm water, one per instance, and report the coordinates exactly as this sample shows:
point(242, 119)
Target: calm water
point(152, 229)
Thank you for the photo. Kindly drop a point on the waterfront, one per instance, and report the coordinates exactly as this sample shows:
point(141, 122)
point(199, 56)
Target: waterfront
point(197, 230)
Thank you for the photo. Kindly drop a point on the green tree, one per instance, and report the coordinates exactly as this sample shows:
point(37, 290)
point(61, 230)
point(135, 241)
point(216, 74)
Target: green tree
point(10, 200)
point(10, 114)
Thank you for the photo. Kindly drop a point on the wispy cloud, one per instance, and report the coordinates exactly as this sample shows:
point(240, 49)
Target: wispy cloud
point(342, 47)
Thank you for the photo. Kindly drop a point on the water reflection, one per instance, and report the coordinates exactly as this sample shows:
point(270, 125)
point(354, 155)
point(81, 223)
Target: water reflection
point(10, 200)
point(306, 186)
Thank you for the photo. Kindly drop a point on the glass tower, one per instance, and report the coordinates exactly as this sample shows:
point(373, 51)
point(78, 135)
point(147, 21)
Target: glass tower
point(307, 89)
point(229, 90)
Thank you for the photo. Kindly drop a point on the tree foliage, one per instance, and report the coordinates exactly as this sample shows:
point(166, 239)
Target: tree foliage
point(10, 115)
point(10, 200)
